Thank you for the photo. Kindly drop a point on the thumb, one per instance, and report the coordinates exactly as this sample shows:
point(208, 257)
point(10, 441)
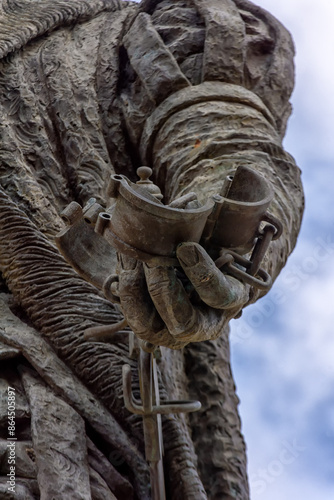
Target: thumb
point(214, 288)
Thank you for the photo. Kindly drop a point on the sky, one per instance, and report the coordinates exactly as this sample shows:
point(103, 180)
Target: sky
point(283, 346)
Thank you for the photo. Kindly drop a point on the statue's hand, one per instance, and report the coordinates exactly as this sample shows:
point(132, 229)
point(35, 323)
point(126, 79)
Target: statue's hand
point(160, 309)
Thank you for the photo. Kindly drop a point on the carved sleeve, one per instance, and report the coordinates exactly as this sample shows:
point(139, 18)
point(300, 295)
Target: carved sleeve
point(205, 87)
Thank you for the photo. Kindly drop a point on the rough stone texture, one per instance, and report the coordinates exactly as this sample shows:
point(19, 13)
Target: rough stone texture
point(58, 436)
point(7, 352)
point(65, 383)
point(99, 487)
point(25, 459)
point(216, 428)
point(25, 489)
point(9, 378)
point(116, 482)
point(78, 101)
point(153, 63)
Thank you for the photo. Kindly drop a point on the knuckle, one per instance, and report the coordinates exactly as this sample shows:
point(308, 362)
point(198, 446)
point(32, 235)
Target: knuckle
point(156, 288)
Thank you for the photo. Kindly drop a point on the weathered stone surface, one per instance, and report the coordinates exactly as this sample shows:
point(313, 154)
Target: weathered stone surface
point(15, 33)
point(9, 378)
point(99, 487)
point(216, 427)
point(25, 459)
point(58, 435)
point(7, 352)
point(60, 377)
point(116, 482)
point(25, 489)
point(153, 63)
point(224, 42)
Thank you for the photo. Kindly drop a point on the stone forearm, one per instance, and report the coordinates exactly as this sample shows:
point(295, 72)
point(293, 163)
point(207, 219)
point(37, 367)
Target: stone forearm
point(192, 147)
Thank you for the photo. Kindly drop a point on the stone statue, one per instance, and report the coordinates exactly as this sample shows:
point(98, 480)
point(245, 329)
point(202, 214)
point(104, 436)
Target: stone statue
point(194, 89)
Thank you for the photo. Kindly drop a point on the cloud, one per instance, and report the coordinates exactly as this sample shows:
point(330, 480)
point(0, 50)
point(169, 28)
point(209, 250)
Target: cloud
point(283, 358)
point(285, 381)
point(311, 26)
point(283, 487)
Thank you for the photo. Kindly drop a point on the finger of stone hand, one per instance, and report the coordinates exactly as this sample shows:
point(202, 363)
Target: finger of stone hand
point(126, 263)
point(210, 325)
point(214, 288)
point(137, 306)
point(170, 300)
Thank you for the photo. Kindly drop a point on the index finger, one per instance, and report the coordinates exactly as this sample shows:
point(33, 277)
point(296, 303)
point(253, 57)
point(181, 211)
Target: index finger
point(216, 289)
